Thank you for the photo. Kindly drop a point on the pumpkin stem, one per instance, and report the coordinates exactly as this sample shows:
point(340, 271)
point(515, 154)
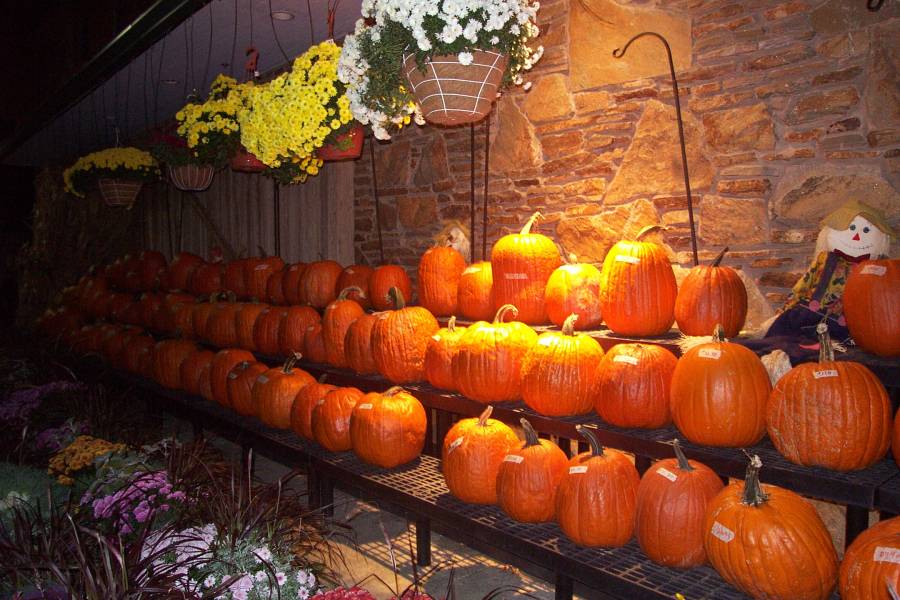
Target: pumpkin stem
point(718, 259)
point(646, 230)
point(826, 350)
point(485, 415)
point(393, 391)
point(531, 436)
point(231, 296)
point(683, 463)
point(350, 289)
point(530, 223)
point(719, 333)
point(753, 494)
point(568, 327)
point(396, 297)
point(290, 362)
point(505, 310)
point(451, 324)
point(591, 436)
point(571, 259)
point(323, 377)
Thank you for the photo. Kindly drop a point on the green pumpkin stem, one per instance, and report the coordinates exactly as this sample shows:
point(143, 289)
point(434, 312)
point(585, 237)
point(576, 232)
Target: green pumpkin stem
point(530, 223)
point(531, 436)
point(826, 350)
point(396, 297)
point(485, 415)
point(591, 436)
point(753, 494)
point(568, 326)
point(290, 362)
point(719, 333)
point(683, 463)
point(646, 230)
point(718, 259)
point(451, 324)
point(505, 310)
point(349, 290)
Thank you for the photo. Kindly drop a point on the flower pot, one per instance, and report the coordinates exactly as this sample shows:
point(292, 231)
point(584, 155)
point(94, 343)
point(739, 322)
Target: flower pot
point(246, 162)
point(192, 178)
point(119, 192)
point(344, 146)
point(451, 93)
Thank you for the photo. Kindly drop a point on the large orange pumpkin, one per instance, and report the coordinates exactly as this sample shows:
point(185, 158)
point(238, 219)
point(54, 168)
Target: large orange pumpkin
point(528, 478)
point(200, 314)
point(711, 295)
point(304, 403)
point(559, 372)
point(337, 318)
point(521, 264)
point(488, 362)
point(292, 334)
point(439, 353)
point(314, 343)
point(245, 321)
point(234, 278)
point(719, 393)
point(267, 330)
point(222, 364)
point(671, 506)
point(258, 271)
point(833, 414)
point(872, 562)
point(331, 419)
point(356, 276)
point(895, 438)
point(137, 357)
point(274, 289)
point(439, 271)
point(290, 282)
point(152, 266)
point(382, 280)
point(191, 369)
point(574, 288)
point(872, 305)
point(318, 283)
point(178, 275)
point(637, 288)
point(633, 386)
point(388, 428)
point(221, 327)
point(358, 344)
point(167, 358)
point(769, 542)
point(595, 501)
point(471, 455)
point(239, 385)
point(399, 341)
point(206, 279)
point(474, 295)
point(274, 393)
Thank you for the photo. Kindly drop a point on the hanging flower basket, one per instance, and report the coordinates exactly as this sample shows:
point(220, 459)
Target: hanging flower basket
point(343, 146)
point(451, 93)
point(119, 192)
point(246, 162)
point(192, 178)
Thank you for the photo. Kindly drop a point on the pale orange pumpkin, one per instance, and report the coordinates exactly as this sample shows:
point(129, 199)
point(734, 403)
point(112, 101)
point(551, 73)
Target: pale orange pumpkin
point(574, 288)
point(440, 269)
point(439, 353)
point(633, 386)
point(399, 340)
point(475, 292)
point(274, 393)
point(711, 295)
point(337, 318)
point(331, 419)
point(382, 280)
point(358, 344)
point(388, 429)
point(304, 403)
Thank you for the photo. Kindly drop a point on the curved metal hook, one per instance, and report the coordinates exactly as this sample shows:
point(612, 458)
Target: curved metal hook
point(620, 52)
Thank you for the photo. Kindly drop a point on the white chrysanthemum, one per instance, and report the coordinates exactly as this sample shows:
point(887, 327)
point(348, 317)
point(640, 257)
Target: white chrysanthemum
point(465, 58)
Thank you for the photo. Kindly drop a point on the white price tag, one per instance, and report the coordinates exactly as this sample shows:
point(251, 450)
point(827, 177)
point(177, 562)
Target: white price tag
point(455, 444)
point(320, 402)
point(722, 532)
point(713, 353)
point(887, 554)
point(579, 469)
point(878, 270)
point(515, 275)
point(261, 267)
point(262, 379)
point(624, 358)
point(631, 260)
point(436, 337)
point(513, 458)
point(365, 406)
point(470, 270)
point(667, 474)
point(825, 373)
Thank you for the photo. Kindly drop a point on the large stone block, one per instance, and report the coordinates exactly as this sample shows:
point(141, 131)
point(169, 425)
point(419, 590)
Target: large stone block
point(549, 99)
point(597, 27)
point(837, 16)
point(515, 146)
point(433, 167)
point(417, 212)
point(733, 222)
point(882, 92)
point(740, 129)
point(392, 164)
point(652, 164)
point(590, 237)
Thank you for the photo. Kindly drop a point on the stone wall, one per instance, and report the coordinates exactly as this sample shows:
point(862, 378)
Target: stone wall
point(790, 108)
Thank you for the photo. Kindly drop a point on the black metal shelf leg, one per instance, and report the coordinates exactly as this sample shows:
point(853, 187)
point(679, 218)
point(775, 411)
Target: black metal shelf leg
point(423, 542)
point(564, 587)
point(857, 522)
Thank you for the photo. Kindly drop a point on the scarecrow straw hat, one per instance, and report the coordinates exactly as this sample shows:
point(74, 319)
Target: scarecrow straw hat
point(841, 218)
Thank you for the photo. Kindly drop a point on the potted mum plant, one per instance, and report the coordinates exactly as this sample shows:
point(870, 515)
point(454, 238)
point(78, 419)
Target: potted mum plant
point(444, 63)
point(118, 173)
point(285, 121)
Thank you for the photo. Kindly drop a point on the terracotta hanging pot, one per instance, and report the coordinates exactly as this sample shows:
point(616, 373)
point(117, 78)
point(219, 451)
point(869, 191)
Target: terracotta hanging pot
point(246, 162)
point(119, 192)
point(343, 146)
point(192, 178)
point(451, 93)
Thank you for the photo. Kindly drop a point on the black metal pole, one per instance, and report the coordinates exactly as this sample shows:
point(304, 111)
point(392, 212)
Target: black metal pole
point(377, 200)
point(472, 191)
point(276, 197)
point(619, 53)
point(487, 171)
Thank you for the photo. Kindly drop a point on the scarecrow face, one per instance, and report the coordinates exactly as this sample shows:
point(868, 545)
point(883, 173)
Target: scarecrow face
point(860, 238)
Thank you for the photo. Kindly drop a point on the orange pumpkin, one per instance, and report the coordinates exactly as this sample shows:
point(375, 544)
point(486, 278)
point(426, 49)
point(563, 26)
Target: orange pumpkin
point(274, 291)
point(318, 283)
point(358, 344)
point(474, 295)
point(206, 279)
point(292, 334)
point(399, 340)
point(637, 288)
point(719, 393)
point(711, 295)
point(267, 330)
point(331, 419)
point(234, 278)
point(633, 386)
point(528, 478)
point(872, 305)
point(870, 563)
point(832, 414)
point(895, 439)
point(192, 367)
point(221, 327)
point(222, 364)
point(200, 314)
point(521, 264)
point(381, 281)
point(304, 403)
point(152, 266)
point(338, 317)
point(439, 353)
point(595, 501)
point(488, 362)
point(388, 429)
point(290, 282)
point(574, 288)
point(274, 392)
point(257, 273)
point(559, 372)
point(244, 322)
point(356, 276)
point(471, 456)
point(137, 357)
point(440, 269)
point(239, 385)
point(178, 275)
point(769, 542)
point(671, 506)
point(167, 358)
point(315, 344)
